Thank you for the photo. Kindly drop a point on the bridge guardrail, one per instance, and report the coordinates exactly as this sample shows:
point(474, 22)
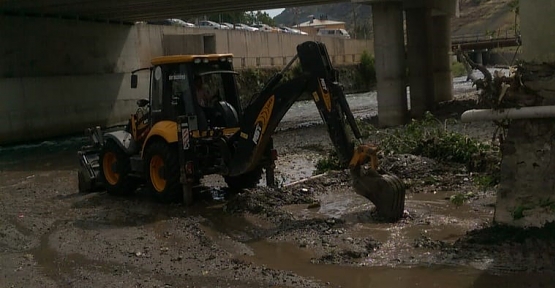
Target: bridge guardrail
point(483, 37)
point(266, 62)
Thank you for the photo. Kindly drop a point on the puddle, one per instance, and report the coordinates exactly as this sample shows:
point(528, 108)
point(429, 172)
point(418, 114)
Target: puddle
point(445, 223)
point(288, 257)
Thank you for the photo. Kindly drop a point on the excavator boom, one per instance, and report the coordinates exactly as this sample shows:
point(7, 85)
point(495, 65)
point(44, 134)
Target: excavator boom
point(320, 80)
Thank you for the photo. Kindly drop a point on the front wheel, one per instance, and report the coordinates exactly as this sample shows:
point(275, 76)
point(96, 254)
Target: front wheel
point(162, 168)
point(115, 169)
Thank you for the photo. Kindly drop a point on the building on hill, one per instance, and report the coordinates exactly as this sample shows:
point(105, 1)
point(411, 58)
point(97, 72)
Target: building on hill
point(311, 27)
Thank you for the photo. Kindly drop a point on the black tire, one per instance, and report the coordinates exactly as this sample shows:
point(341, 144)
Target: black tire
point(244, 181)
point(162, 171)
point(115, 169)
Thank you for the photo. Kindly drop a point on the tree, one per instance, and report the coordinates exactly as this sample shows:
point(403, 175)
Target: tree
point(230, 17)
point(260, 17)
point(243, 17)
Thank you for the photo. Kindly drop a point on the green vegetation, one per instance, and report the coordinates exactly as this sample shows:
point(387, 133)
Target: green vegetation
point(243, 17)
point(459, 198)
point(426, 137)
point(296, 70)
point(329, 163)
point(429, 139)
point(367, 70)
point(458, 70)
point(518, 213)
point(485, 181)
point(547, 203)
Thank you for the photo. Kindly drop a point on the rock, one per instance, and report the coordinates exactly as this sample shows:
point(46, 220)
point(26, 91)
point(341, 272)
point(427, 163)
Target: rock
point(330, 221)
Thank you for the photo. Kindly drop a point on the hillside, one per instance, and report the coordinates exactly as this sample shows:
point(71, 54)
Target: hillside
point(339, 12)
point(476, 17)
point(481, 16)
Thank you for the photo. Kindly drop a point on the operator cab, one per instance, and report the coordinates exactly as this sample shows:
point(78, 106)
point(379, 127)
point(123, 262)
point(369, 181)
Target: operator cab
point(197, 86)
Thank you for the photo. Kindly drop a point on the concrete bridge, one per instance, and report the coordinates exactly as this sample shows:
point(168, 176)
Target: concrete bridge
point(62, 72)
point(480, 45)
point(501, 39)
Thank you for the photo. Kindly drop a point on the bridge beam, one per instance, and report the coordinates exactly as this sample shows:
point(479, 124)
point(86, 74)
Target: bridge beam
point(389, 49)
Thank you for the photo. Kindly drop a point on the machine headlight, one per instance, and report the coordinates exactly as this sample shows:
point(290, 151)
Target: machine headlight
point(205, 60)
point(197, 61)
point(229, 59)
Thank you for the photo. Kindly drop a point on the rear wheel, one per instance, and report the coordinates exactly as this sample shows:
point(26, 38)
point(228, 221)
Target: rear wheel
point(115, 170)
point(162, 168)
point(244, 181)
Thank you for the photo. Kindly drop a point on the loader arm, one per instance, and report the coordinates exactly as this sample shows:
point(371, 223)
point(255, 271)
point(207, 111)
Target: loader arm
point(263, 114)
point(318, 79)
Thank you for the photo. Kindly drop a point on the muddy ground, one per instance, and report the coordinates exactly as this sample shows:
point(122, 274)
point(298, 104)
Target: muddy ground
point(316, 233)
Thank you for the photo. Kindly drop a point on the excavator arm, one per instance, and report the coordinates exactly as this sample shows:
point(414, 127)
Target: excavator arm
point(320, 80)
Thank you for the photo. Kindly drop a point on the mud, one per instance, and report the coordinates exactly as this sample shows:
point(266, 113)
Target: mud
point(316, 233)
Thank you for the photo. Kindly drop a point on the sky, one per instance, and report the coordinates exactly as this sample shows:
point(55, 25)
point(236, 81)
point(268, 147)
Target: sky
point(274, 12)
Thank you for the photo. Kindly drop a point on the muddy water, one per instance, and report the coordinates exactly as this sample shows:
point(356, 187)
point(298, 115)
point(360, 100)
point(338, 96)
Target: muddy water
point(288, 257)
point(450, 224)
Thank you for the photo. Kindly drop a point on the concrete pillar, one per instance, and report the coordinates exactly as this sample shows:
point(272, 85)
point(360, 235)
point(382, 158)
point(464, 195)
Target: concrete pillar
point(420, 60)
point(526, 193)
point(479, 57)
point(538, 36)
point(443, 79)
point(389, 49)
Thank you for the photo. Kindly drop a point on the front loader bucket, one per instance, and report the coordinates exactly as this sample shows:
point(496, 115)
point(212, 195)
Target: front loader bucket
point(385, 191)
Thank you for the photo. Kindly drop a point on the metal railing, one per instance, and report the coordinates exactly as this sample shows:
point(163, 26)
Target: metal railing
point(484, 37)
point(281, 61)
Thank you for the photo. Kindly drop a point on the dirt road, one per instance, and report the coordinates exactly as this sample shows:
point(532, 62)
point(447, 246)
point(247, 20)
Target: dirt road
point(317, 233)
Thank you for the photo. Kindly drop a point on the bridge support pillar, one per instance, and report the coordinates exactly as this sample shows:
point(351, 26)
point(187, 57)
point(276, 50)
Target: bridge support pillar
point(443, 79)
point(389, 47)
point(420, 60)
point(479, 57)
point(526, 192)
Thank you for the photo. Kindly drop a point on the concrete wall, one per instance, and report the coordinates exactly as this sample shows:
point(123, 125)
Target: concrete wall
point(263, 49)
point(61, 76)
point(538, 35)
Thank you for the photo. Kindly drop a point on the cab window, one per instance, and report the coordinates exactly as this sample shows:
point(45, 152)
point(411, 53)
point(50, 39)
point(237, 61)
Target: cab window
point(157, 89)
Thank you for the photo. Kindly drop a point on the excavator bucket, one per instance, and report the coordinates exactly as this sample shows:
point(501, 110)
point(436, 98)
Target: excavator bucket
point(385, 191)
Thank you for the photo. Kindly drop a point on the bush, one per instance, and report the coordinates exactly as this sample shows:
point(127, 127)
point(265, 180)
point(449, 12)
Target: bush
point(296, 70)
point(458, 70)
point(426, 138)
point(429, 139)
point(331, 162)
point(367, 69)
